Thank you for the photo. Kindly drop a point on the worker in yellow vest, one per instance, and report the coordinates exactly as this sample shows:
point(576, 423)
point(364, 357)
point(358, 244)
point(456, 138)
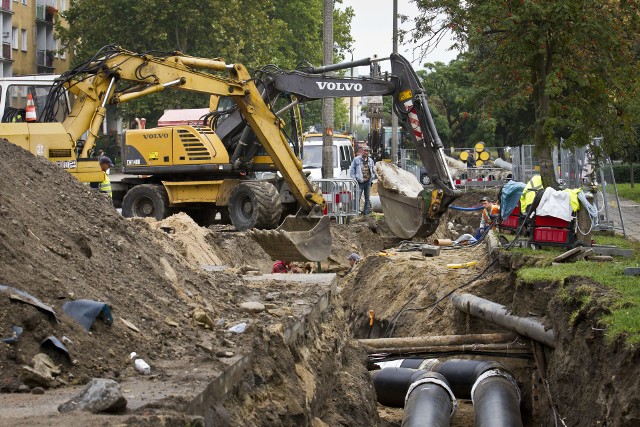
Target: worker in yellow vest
point(105, 186)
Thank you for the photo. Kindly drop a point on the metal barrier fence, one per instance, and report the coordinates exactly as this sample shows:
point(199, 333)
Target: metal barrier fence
point(342, 196)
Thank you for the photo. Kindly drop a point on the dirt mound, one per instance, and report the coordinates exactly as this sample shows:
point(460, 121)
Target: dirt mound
point(61, 241)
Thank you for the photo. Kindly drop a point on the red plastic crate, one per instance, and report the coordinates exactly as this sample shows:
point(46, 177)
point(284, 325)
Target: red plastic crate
point(550, 221)
point(550, 235)
point(511, 222)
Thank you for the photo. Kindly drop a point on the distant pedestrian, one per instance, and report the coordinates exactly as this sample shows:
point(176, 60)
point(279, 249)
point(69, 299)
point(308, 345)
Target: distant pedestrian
point(354, 258)
point(362, 171)
point(471, 160)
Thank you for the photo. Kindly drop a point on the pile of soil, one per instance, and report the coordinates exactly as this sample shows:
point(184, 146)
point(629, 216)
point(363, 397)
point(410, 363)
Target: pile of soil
point(62, 241)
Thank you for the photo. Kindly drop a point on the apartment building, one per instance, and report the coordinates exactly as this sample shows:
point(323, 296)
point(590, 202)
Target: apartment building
point(29, 45)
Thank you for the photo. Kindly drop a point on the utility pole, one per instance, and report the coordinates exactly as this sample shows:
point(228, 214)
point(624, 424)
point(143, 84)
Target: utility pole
point(351, 102)
point(394, 118)
point(327, 103)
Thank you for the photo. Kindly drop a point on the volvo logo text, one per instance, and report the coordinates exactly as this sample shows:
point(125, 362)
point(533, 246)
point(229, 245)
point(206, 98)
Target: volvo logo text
point(339, 86)
point(156, 135)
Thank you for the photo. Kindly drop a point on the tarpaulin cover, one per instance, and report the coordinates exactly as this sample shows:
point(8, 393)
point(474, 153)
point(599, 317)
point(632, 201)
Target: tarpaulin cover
point(86, 312)
point(511, 193)
point(23, 296)
point(54, 342)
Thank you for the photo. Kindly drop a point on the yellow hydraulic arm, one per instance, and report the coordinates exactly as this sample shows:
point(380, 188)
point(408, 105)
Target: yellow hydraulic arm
point(154, 74)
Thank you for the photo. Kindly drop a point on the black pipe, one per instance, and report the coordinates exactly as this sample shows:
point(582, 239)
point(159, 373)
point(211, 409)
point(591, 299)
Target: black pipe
point(429, 402)
point(462, 374)
point(490, 385)
point(391, 385)
point(496, 400)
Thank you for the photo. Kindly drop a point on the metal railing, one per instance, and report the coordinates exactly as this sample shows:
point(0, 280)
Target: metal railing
point(342, 196)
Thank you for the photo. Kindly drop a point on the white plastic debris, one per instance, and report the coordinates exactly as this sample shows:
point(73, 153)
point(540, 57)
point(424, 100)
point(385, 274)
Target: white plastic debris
point(142, 367)
point(239, 328)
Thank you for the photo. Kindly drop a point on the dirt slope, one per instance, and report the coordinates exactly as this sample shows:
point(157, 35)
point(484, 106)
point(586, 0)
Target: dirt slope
point(61, 241)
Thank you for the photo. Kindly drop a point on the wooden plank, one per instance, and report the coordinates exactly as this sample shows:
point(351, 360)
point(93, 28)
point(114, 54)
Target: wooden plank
point(436, 340)
point(612, 250)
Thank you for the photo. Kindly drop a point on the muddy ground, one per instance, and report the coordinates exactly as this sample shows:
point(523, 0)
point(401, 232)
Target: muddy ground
point(60, 241)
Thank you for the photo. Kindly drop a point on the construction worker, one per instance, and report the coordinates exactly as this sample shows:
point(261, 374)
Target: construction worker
point(284, 266)
point(362, 171)
point(105, 186)
point(471, 160)
point(489, 214)
point(354, 258)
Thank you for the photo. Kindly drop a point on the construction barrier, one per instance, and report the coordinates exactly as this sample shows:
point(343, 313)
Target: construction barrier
point(342, 196)
point(480, 177)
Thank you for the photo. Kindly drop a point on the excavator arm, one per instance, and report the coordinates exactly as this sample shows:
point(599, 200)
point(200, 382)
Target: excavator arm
point(96, 86)
point(407, 216)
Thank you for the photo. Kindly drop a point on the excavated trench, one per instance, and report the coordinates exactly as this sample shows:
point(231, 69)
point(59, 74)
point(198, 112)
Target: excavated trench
point(576, 378)
point(175, 290)
point(391, 304)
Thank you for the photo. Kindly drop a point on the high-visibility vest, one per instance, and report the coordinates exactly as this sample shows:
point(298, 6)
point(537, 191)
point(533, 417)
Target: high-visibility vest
point(487, 214)
point(105, 186)
point(529, 193)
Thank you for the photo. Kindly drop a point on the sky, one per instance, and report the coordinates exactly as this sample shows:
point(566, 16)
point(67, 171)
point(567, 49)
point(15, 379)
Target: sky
point(372, 30)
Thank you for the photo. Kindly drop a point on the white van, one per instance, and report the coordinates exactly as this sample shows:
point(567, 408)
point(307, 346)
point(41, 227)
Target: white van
point(312, 155)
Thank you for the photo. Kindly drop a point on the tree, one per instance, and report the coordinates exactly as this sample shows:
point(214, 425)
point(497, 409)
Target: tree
point(252, 32)
point(572, 63)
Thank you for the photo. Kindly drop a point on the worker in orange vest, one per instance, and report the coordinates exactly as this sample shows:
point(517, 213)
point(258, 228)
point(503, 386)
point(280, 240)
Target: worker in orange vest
point(490, 213)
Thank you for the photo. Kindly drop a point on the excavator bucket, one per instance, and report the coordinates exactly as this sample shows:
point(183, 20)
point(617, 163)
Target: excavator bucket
point(405, 214)
point(299, 238)
point(410, 208)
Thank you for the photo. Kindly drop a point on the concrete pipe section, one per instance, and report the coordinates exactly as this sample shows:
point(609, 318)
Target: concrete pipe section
point(490, 386)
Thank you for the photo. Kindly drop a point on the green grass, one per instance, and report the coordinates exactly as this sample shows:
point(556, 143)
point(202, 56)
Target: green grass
point(626, 192)
point(624, 300)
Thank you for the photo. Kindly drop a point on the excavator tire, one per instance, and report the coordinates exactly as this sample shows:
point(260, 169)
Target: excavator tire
point(255, 205)
point(146, 200)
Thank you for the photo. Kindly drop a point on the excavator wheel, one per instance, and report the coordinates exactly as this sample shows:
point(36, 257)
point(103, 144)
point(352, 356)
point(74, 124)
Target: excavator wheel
point(255, 205)
point(146, 200)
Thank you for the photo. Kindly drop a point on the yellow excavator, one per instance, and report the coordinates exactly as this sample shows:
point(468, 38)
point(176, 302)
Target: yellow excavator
point(212, 167)
point(183, 164)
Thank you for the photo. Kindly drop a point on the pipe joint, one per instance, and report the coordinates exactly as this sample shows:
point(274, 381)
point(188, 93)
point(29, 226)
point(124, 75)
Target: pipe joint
point(496, 373)
point(437, 379)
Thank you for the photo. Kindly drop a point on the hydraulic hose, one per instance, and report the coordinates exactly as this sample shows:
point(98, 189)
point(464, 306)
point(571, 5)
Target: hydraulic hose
point(429, 402)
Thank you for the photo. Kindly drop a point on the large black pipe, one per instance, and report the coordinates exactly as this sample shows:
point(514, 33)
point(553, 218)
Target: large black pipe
point(490, 385)
point(392, 384)
point(462, 374)
point(496, 400)
point(429, 402)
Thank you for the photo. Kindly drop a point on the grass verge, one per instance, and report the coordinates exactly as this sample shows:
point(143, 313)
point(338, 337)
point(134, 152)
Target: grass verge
point(626, 192)
point(624, 318)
